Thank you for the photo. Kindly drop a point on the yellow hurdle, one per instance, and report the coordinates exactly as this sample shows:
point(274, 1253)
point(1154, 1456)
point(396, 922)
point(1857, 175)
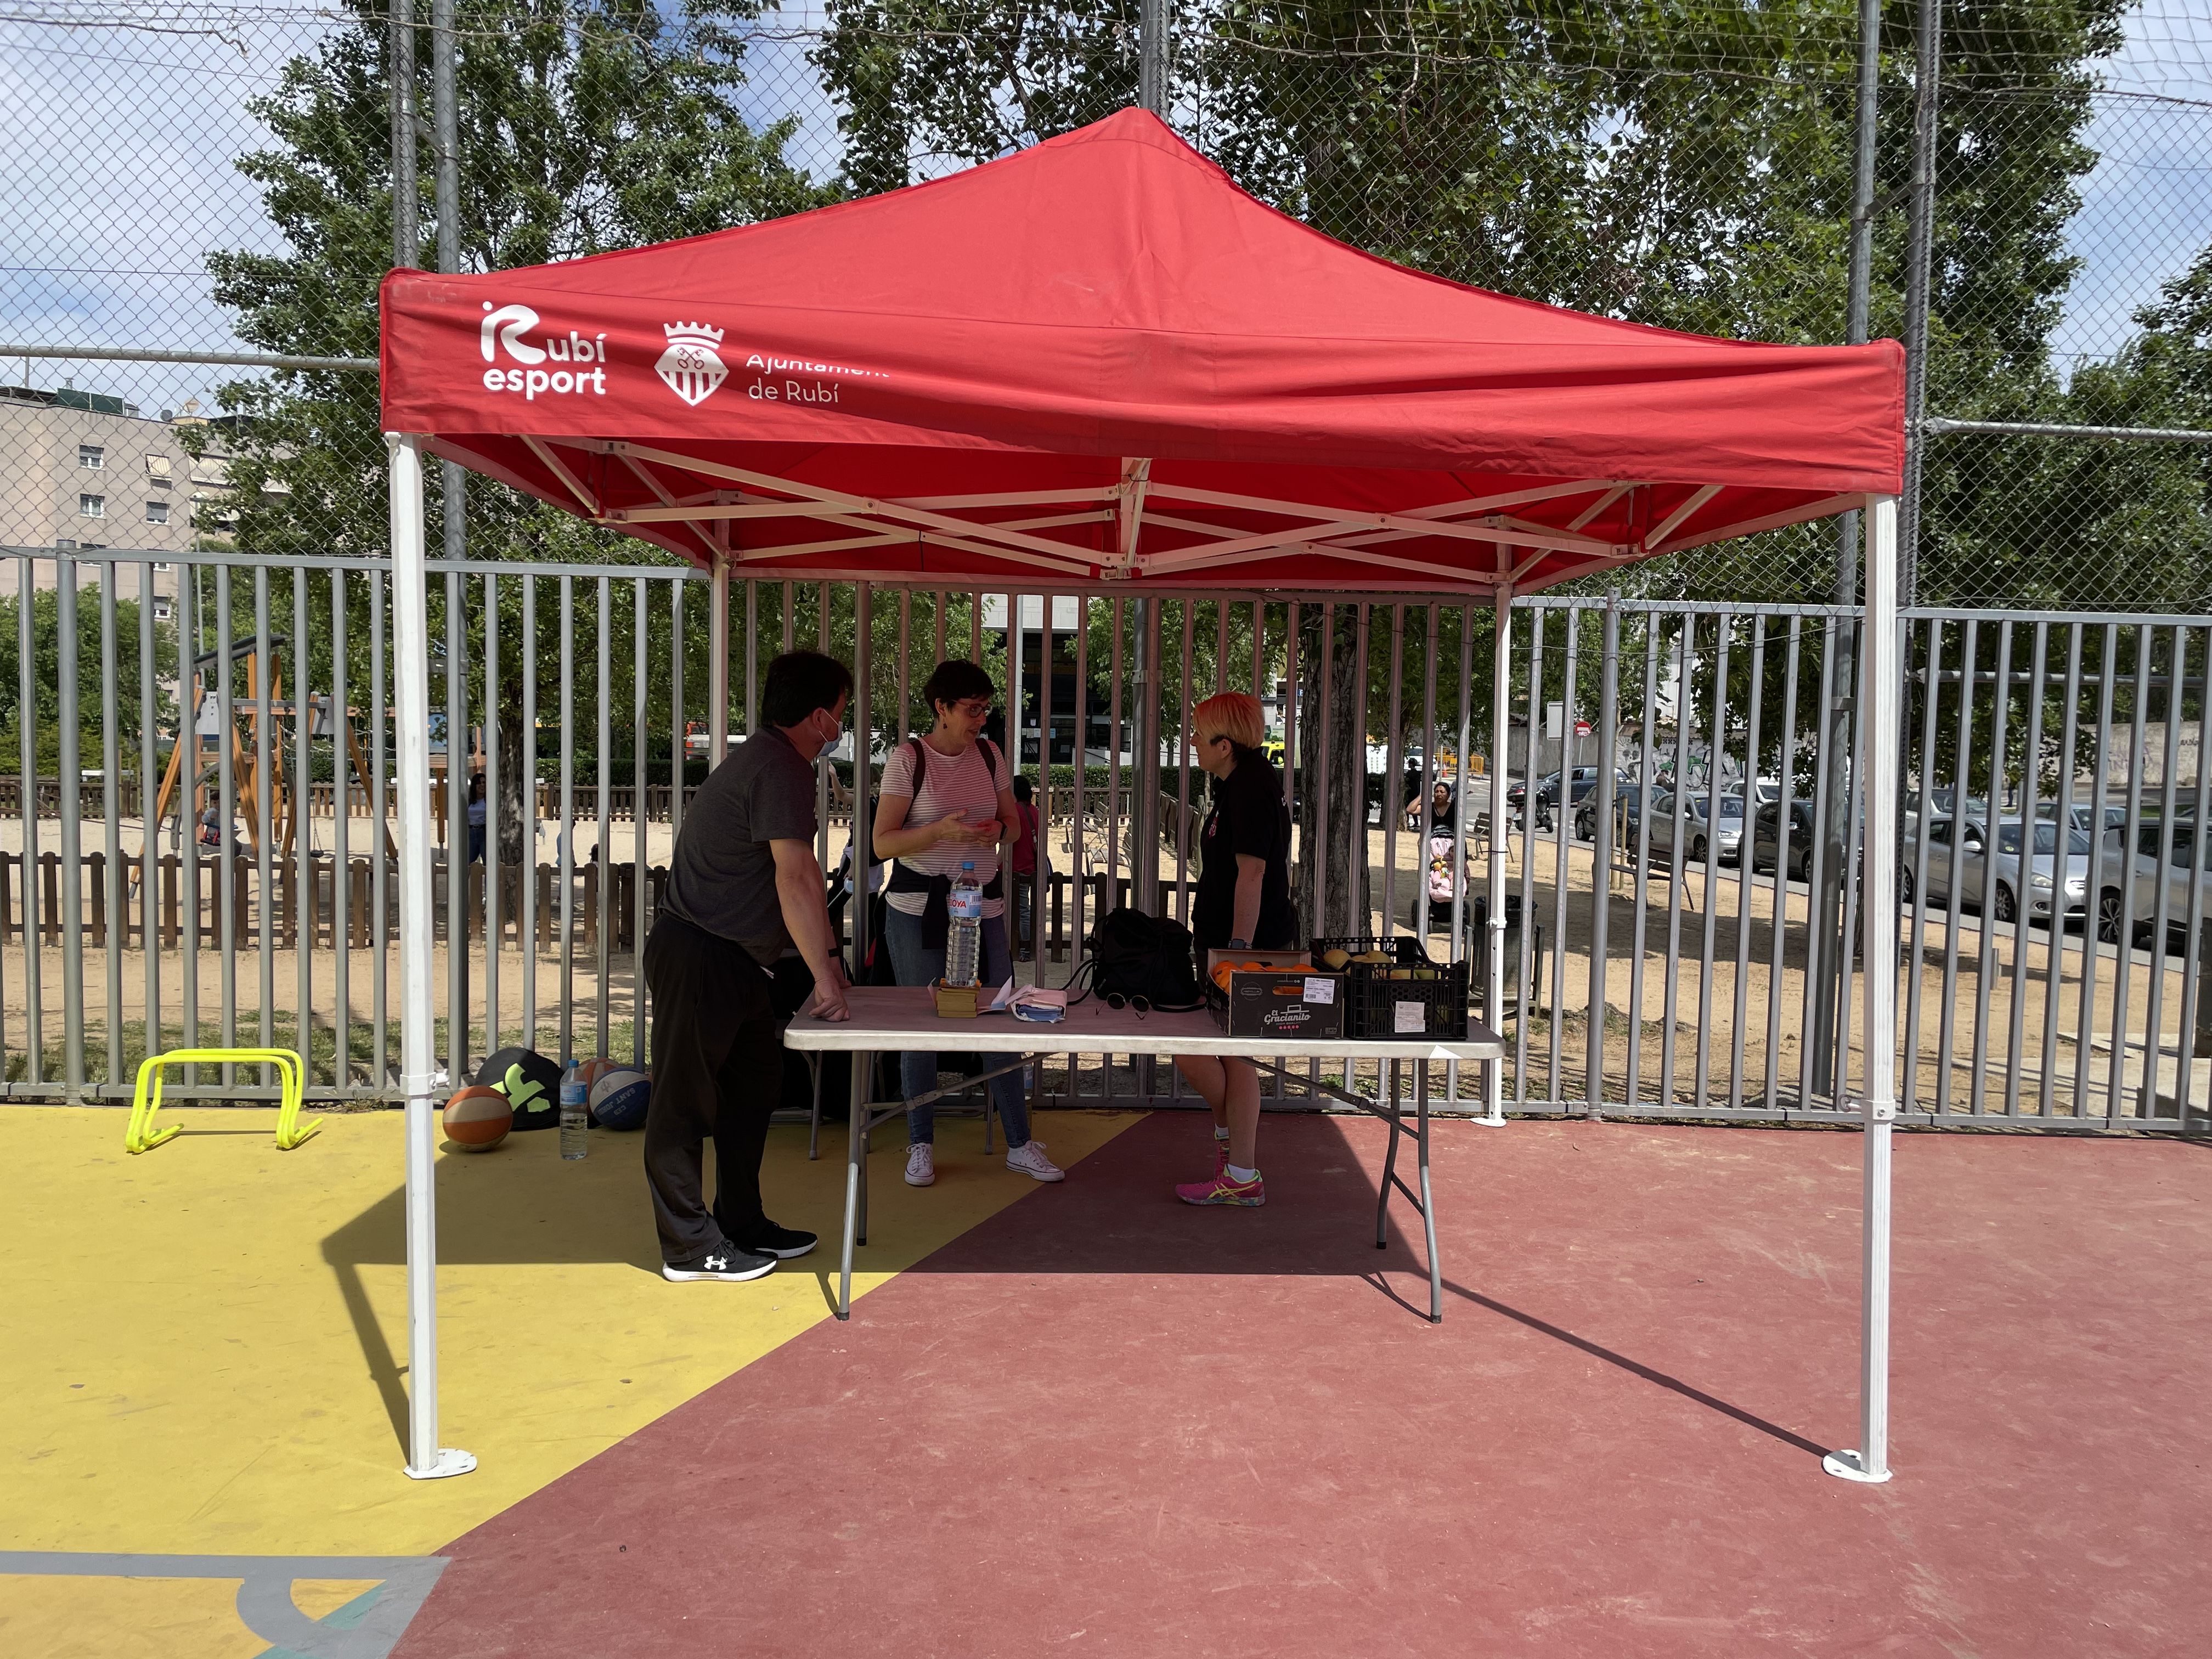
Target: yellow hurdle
point(141, 1137)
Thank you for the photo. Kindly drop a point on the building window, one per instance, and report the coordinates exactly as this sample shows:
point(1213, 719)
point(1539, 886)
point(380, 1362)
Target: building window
point(91, 456)
point(157, 468)
point(92, 507)
point(159, 565)
point(162, 608)
point(157, 513)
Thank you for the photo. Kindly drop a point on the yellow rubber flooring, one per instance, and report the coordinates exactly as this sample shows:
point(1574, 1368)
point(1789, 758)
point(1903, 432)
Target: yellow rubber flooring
point(205, 1345)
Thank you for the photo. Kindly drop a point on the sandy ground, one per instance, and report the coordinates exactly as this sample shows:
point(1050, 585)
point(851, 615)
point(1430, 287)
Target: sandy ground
point(1731, 1038)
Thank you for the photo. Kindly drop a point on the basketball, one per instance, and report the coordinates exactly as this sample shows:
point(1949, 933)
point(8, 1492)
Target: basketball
point(531, 1083)
point(477, 1119)
point(592, 1070)
point(618, 1100)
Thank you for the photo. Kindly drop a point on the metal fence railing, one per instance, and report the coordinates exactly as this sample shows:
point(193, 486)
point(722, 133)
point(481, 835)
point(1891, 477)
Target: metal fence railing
point(1675, 799)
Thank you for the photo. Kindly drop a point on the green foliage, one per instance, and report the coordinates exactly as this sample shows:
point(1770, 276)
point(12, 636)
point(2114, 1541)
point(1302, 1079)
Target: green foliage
point(93, 689)
point(582, 132)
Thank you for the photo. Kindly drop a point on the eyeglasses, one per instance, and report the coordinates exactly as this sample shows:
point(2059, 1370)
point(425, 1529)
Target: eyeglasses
point(975, 709)
point(1138, 1006)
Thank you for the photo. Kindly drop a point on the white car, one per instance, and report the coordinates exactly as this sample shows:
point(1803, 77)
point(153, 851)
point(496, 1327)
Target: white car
point(2044, 882)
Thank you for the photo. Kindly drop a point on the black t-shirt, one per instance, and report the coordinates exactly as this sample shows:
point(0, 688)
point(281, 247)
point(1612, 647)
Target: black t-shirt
point(722, 876)
point(1248, 816)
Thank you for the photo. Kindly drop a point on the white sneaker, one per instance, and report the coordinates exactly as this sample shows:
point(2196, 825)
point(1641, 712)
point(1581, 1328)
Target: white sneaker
point(920, 1165)
point(1029, 1159)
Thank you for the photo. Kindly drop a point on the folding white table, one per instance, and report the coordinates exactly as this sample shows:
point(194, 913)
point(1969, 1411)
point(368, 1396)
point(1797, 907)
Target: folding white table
point(892, 1018)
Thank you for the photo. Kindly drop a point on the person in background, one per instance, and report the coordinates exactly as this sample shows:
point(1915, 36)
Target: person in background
point(744, 891)
point(1026, 903)
point(947, 801)
point(478, 813)
point(1243, 903)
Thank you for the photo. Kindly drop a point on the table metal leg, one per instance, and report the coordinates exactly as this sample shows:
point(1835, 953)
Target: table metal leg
point(1428, 1207)
point(855, 1168)
point(1390, 1170)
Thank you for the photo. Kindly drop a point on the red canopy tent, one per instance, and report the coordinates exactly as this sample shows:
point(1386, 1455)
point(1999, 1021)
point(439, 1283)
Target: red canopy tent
point(1097, 361)
point(1099, 358)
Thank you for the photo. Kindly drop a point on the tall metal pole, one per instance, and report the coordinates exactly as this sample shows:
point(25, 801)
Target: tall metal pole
point(406, 233)
point(1152, 57)
point(1878, 919)
point(1608, 719)
point(1144, 751)
point(1500, 718)
point(410, 623)
point(1927, 78)
point(718, 664)
point(1822, 1049)
point(446, 122)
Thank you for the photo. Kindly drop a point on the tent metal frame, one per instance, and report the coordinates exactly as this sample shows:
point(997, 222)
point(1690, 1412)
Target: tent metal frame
point(890, 523)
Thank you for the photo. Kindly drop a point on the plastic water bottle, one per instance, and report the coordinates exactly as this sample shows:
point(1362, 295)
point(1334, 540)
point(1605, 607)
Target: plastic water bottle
point(574, 1113)
point(963, 940)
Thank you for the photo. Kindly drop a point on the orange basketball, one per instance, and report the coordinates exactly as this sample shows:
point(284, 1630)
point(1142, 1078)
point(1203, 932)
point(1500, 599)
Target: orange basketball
point(592, 1070)
point(477, 1119)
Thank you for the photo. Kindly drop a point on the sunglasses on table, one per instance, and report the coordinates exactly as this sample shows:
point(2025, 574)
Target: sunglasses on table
point(1138, 1006)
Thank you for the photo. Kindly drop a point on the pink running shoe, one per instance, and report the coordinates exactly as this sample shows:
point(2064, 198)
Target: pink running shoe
point(1222, 1190)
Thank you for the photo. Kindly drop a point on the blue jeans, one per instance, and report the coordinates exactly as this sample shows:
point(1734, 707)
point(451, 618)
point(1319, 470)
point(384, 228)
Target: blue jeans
point(915, 963)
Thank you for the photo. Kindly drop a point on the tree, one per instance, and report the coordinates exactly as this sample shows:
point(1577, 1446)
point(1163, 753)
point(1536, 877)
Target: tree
point(581, 131)
point(95, 694)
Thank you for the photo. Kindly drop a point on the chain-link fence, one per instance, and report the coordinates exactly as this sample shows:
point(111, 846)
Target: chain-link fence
point(196, 177)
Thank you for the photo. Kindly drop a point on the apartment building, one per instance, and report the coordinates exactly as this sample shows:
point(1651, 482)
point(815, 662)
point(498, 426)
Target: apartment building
point(82, 471)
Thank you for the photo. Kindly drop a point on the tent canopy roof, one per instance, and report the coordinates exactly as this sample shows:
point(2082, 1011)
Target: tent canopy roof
point(1098, 359)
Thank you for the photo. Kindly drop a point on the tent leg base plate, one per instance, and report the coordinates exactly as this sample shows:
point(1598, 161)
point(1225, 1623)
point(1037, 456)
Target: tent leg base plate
point(450, 1462)
point(1845, 1466)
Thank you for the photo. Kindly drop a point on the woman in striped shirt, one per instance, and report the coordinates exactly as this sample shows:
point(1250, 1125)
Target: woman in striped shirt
point(947, 800)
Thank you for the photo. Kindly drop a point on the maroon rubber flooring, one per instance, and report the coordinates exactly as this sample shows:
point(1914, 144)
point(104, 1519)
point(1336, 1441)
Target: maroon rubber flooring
point(1105, 1423)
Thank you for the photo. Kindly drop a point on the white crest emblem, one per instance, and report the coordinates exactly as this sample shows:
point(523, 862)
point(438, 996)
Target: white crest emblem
point(690, 365)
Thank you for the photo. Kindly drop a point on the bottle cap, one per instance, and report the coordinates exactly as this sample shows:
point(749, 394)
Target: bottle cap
point(969, 866)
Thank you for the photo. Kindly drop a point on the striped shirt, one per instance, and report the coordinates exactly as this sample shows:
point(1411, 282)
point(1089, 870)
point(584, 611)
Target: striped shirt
point(966, 784)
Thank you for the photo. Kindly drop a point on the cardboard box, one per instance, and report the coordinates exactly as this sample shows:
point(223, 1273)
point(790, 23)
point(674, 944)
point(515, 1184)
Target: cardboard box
point(1288, 997)
point(954, 1002)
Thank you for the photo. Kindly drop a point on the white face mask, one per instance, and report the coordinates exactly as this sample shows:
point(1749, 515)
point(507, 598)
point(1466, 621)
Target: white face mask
point(836, 733)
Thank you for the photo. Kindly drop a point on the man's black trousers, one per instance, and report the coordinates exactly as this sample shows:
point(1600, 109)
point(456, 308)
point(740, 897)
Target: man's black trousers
point(717, 1071)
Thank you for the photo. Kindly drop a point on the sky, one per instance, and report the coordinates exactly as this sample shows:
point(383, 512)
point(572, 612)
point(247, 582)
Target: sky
point(119, 168)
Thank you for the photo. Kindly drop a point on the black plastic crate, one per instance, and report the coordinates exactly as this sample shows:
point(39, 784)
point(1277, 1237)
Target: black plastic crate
point(1379, 1009)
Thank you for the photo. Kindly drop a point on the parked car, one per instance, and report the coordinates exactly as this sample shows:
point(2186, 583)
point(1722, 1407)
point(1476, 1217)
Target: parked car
point(2116, 814)
point(1727, 841)
point(1580, 783)
point(1766, 840)
point(1627, 799)
point(2048, 883)
point(2174, 870)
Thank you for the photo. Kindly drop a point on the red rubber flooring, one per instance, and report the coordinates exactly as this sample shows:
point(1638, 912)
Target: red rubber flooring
point(1105, 1422)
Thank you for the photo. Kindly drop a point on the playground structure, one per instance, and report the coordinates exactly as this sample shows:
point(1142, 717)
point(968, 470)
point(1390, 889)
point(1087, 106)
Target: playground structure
point(254, 727)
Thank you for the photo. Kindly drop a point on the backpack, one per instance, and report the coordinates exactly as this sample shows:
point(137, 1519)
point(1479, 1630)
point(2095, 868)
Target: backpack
point(1141, 956)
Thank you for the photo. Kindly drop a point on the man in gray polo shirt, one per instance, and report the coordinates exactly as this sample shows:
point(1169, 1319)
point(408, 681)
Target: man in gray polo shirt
point(744, 888)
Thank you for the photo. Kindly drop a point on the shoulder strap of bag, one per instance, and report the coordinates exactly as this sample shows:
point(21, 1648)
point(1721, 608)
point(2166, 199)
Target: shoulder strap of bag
point(920, 762)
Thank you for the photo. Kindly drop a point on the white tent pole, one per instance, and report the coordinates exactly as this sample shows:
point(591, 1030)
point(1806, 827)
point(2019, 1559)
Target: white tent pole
point(1494, 1084)
point(1884, 690)
point(426, 1459)
point(718, 666)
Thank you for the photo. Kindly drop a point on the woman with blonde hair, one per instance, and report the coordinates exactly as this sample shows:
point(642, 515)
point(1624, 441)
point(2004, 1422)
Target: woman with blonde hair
point(1243, 903)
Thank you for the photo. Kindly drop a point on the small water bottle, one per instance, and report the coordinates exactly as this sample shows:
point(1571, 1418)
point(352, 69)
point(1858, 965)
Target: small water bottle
point(576, 1113)
point(964, 940)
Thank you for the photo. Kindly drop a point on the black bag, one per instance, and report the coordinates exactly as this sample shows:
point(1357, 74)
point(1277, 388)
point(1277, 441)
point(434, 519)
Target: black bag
point(875, 967)
point(1141, 956)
